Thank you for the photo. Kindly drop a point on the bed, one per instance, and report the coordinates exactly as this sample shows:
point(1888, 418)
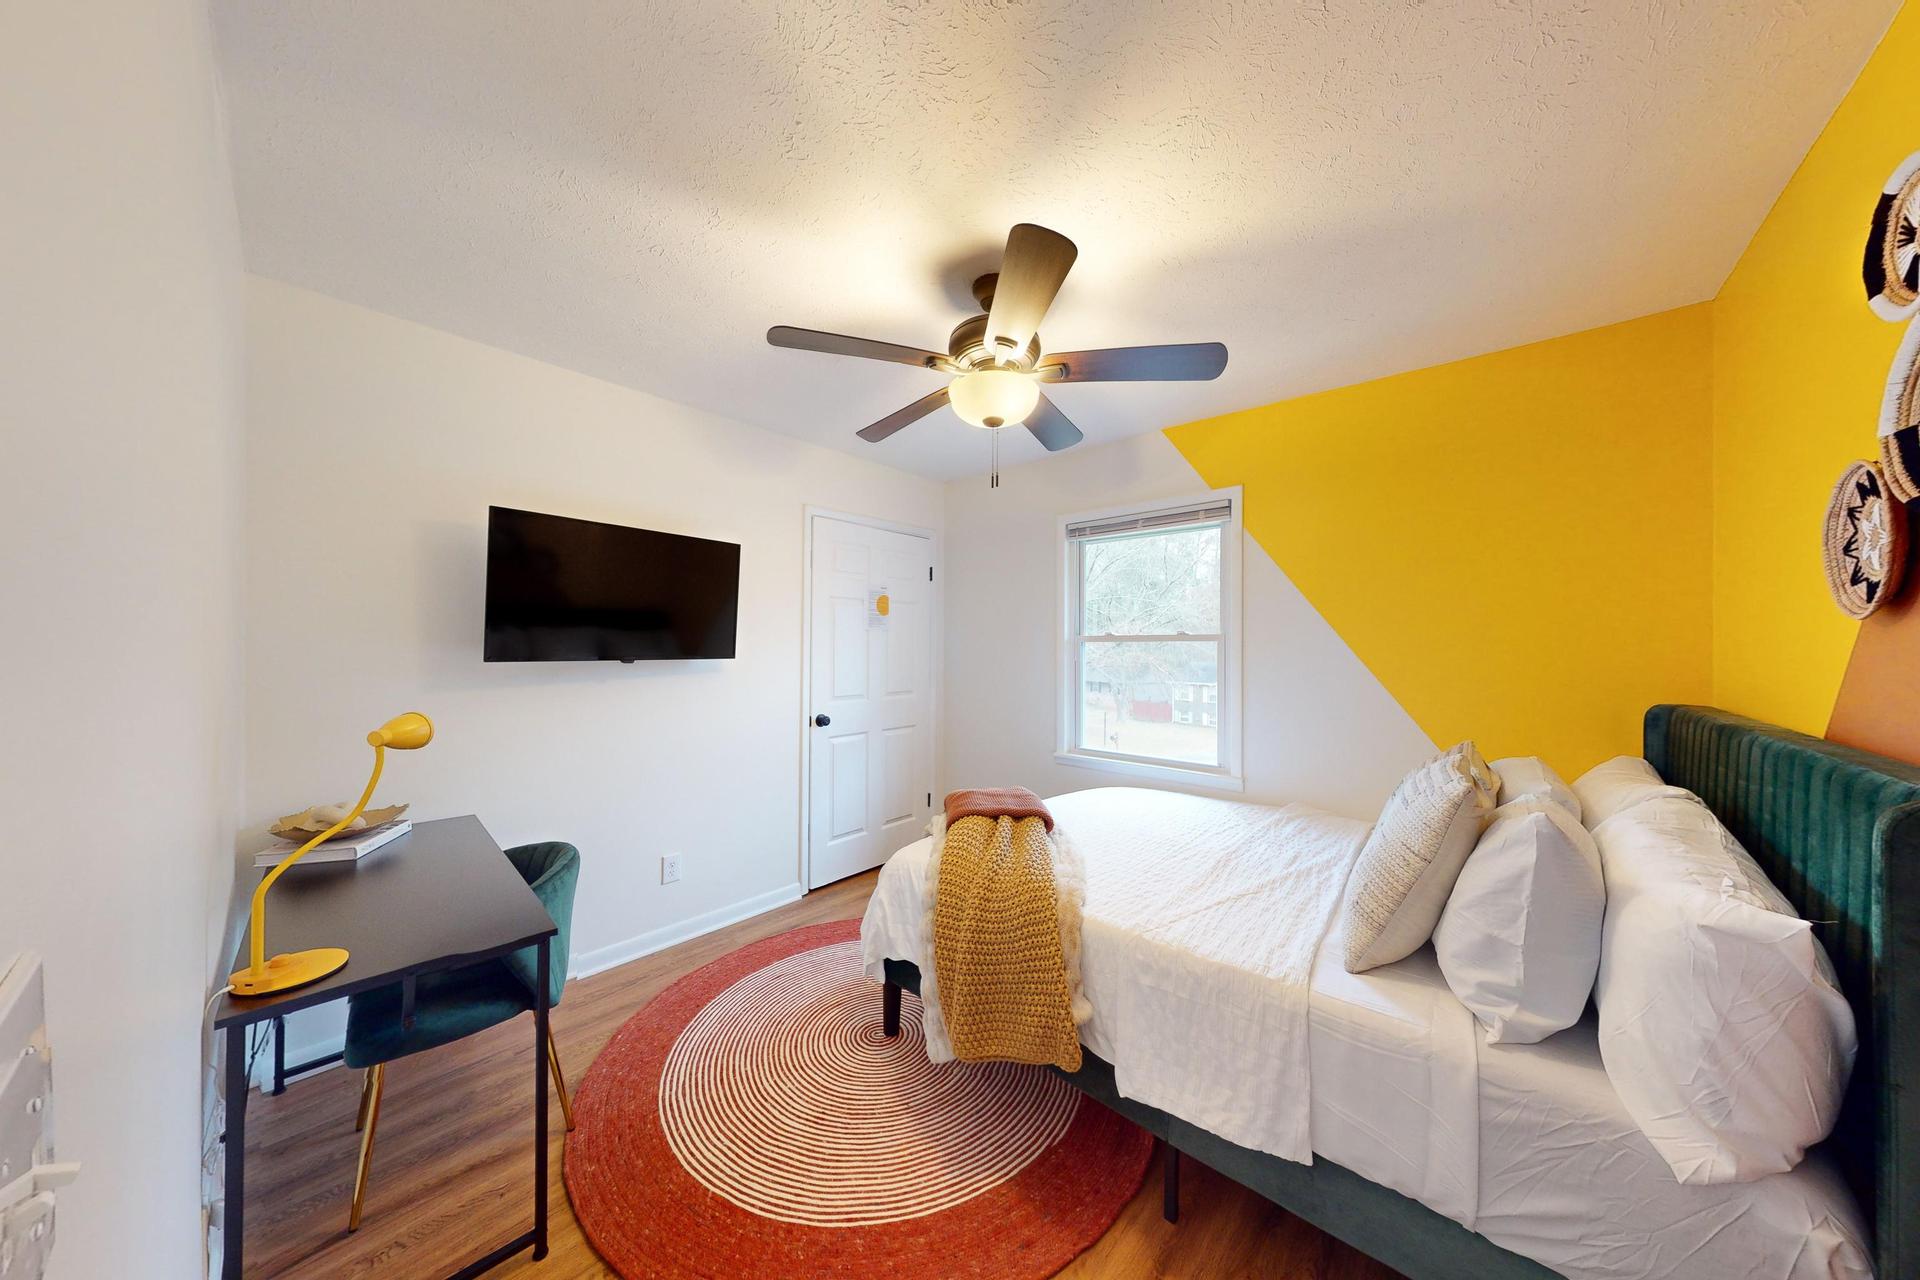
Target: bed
point(1446, 1157)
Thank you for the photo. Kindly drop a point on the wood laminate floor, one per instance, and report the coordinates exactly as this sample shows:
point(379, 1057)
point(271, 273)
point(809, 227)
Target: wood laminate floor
point(453, 1169)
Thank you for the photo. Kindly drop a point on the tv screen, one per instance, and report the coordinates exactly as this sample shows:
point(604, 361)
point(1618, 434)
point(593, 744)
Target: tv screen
point(564, 590)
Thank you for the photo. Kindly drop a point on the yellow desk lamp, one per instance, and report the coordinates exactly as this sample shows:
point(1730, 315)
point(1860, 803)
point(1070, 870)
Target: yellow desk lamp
point(405, 732)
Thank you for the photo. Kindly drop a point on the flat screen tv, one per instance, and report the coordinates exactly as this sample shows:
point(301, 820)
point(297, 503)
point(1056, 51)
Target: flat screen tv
point(565, 590)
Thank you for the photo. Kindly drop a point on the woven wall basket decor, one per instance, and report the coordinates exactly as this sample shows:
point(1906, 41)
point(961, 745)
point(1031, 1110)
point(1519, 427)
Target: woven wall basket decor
point(1900, 463)
point(1866, 541)
point(1900, 401)
point(1900, 419)
point(1891, 270)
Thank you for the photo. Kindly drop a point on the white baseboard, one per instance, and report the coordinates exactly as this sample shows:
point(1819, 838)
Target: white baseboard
point(601, 959)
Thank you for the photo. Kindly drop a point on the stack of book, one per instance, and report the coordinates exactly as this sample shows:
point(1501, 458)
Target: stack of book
point(342, 848)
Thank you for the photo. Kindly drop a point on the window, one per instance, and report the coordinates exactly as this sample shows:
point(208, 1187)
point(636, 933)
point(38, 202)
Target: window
point(1150, 663)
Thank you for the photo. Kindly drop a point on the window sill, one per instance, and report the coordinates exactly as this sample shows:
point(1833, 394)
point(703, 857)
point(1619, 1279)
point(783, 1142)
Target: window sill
point(1157, 772)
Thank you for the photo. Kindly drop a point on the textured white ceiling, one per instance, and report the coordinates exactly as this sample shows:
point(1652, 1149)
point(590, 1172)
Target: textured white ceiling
point(1336, 190)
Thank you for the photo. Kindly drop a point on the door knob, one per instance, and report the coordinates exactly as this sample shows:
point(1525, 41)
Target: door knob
point(823, 720)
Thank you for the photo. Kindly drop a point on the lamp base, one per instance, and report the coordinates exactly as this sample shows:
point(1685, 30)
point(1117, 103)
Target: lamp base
point(288, 970)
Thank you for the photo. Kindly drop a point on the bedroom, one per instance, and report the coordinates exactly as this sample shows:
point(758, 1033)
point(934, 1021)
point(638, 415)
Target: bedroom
point(1503, 365)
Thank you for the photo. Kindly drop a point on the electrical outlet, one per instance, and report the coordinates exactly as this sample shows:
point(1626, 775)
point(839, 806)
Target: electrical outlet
point(670, 868)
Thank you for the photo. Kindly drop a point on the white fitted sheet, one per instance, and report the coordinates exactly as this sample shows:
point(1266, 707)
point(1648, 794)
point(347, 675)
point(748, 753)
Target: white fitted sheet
point(1568, 1179)
point(1394, 1081)
point(1527, 1144)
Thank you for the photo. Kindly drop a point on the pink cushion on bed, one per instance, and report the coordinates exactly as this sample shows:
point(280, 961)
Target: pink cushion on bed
point(996, 802)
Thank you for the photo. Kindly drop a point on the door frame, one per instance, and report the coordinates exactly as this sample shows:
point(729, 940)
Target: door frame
point(936, 658)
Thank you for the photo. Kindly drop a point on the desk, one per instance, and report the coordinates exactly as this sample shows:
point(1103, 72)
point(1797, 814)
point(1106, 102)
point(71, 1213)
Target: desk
point(440, 897)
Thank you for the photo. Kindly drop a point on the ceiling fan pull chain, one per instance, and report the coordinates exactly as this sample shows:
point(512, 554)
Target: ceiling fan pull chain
point(994, 481)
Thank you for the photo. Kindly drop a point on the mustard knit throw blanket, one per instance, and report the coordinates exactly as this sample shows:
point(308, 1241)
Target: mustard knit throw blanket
point(1006, 933)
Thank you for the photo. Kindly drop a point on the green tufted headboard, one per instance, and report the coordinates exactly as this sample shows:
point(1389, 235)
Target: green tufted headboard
point(1839, 831)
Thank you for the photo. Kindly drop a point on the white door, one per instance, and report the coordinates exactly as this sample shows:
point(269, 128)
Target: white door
point(870, 705)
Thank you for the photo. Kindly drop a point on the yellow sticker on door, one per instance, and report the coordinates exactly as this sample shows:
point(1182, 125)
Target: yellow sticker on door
point(878, 607)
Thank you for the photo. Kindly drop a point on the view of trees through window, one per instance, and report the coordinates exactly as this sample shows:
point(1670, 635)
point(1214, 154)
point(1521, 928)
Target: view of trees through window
point(1154, 693)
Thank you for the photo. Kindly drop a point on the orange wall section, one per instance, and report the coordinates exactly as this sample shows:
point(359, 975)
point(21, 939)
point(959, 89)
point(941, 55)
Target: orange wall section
point(1798, 366)
point(1518, 546)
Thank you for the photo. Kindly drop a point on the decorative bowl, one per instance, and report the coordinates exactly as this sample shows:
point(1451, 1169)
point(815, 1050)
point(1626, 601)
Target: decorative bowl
point(308, 823)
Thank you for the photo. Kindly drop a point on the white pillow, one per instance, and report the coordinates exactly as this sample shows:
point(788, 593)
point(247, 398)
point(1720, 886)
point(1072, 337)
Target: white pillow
point(1531, 776)
point(1403, 875)
point(1519, 940)
point(1721, 1025)
point(1616, 785)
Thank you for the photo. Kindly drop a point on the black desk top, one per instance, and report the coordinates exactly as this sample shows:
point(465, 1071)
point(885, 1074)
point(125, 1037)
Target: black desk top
point(440, 896)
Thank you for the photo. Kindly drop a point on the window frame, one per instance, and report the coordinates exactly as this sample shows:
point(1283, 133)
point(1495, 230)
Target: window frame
point(1227, 774)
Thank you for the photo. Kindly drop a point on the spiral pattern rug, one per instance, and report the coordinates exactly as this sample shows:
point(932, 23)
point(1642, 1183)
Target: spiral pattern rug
point(752, 1120)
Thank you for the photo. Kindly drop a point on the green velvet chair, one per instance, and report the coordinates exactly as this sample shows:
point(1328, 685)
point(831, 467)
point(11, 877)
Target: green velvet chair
point(456, 1003)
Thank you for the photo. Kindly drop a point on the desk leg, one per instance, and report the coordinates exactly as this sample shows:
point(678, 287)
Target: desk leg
point(234, 1211)
point(279, 1056)
point(540, 1100)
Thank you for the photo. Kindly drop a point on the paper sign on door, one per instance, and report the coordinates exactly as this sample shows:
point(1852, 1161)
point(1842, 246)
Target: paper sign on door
point(878, 608)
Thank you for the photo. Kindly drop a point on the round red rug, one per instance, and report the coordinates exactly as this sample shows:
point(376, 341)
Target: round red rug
point(752, 1120)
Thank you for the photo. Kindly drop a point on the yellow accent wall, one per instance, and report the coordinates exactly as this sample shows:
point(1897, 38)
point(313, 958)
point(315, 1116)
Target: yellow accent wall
point(1518, 545)
point(1530, 547)
point(1799, 363)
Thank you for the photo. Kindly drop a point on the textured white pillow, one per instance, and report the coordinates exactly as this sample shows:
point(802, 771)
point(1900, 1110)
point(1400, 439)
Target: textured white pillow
point(1531, 776)
point(1519, 940)
point(1466, 756)
point(1615, 785)
point(1721, 1025)
point(1402, 878)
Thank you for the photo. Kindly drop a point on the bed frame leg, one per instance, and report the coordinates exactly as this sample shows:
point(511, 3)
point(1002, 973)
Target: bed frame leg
point(1170, 1182)
point(890, 1010)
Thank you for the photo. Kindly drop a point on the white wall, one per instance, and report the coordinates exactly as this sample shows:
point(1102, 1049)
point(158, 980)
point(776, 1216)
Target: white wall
point(377, 445)
point(120, 384)
point(1318, 726)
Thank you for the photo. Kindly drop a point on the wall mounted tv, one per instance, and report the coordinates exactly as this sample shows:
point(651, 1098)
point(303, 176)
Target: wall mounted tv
point(565, 590)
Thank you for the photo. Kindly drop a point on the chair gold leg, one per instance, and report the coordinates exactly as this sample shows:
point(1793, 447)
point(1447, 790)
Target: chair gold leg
point(366, 1096)
point(377, 1079)
point(559, 1080)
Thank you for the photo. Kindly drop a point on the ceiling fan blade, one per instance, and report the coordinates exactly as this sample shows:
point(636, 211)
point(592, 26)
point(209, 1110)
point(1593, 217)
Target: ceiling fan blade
point(1052, 428)
point(1036, 262)
point(903, 417)
point(1178, 362)
point(839, 344)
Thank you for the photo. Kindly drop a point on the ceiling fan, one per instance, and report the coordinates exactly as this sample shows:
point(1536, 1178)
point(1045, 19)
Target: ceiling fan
point(995, 359)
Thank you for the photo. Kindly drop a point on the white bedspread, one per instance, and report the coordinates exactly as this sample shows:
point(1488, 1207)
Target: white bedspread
point(1201, 924)
point(1527, 1144)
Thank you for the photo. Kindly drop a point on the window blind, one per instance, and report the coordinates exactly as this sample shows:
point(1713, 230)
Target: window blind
point(1210, 512)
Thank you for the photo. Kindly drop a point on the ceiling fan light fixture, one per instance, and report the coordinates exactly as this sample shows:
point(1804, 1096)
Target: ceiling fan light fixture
point(995, 359)
point(994, 397)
